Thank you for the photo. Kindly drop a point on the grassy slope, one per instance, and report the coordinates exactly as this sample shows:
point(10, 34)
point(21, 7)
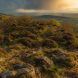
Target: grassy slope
point(44, 48)
point(64, 19)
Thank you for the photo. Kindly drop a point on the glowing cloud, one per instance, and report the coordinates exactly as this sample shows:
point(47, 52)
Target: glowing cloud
point(63, 5)
point(33, 11)
point(52, 6)
point(41, 6)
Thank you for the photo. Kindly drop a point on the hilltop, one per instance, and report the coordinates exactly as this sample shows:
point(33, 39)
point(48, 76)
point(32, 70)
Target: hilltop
point(37, 48)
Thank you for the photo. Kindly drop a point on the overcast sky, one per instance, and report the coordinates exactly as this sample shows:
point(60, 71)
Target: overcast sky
point(38, 6)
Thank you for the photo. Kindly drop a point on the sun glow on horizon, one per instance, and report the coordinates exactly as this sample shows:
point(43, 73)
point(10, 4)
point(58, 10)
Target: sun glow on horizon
point(60, 6)
point(65, 5)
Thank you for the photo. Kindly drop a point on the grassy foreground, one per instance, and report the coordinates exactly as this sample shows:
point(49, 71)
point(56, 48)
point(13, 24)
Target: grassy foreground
point(31, 48)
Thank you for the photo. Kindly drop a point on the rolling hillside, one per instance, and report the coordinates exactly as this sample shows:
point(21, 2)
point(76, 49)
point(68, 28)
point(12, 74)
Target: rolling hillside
point(32, 48)
point(60, 18)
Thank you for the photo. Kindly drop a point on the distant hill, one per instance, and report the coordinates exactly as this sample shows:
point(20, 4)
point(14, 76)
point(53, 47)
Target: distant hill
point(4, 14)
point(1, 14)
point(72, 15)
point(60, 18)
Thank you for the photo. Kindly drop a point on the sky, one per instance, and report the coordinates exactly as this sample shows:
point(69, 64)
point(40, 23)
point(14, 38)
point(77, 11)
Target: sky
point(38, 6)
